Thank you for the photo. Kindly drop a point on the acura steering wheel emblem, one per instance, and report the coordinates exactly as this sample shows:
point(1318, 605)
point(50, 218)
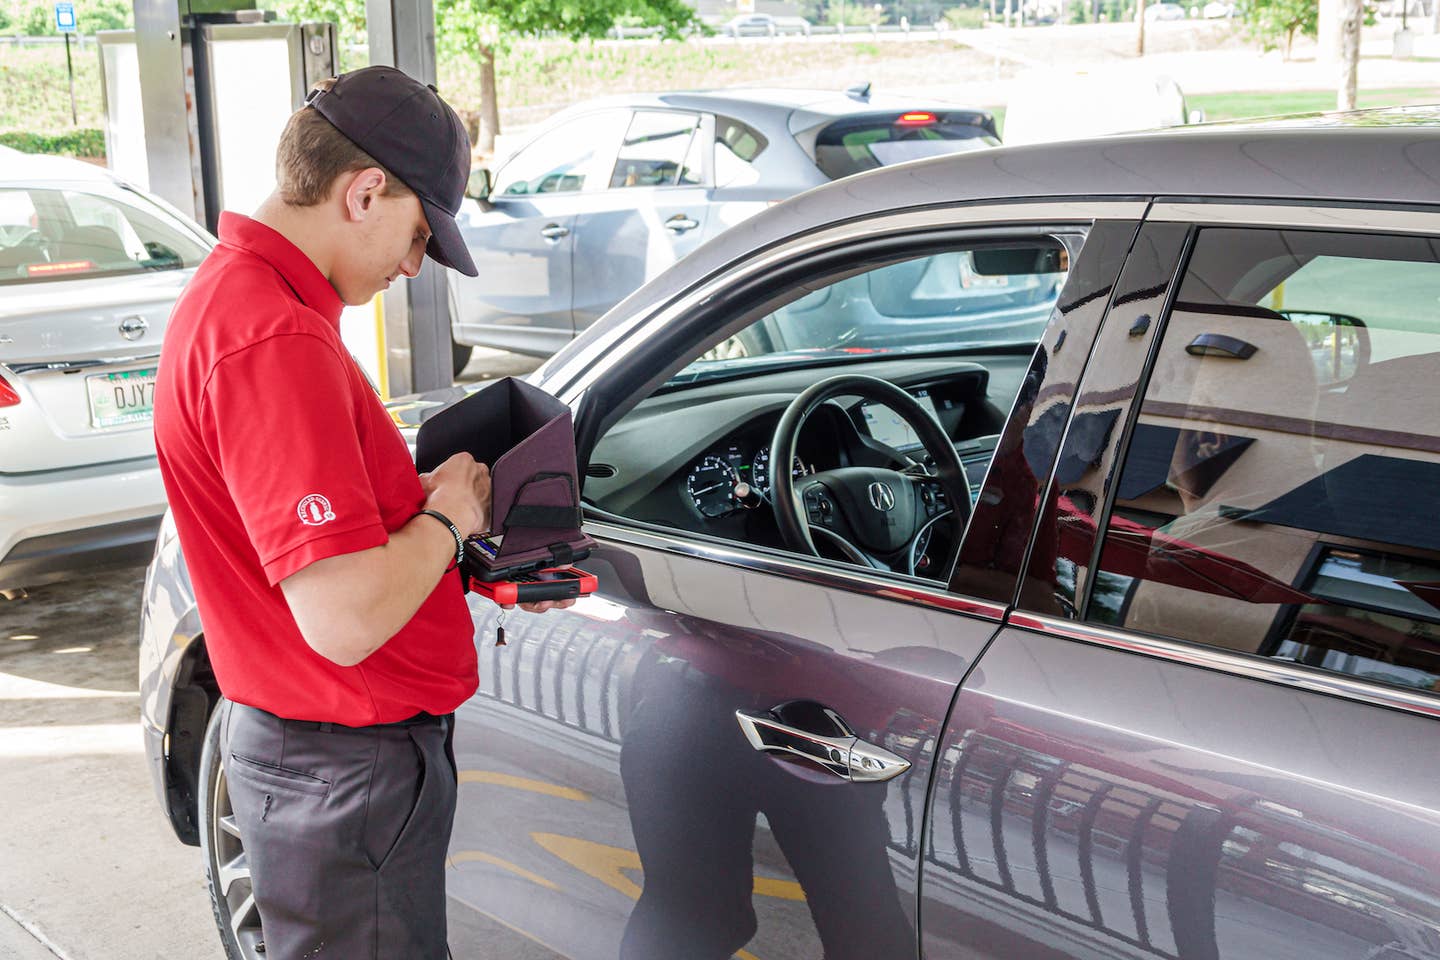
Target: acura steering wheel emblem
point(882, 498)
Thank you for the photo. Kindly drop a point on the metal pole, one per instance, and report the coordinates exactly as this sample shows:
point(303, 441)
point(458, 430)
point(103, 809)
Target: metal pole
point(70, 69)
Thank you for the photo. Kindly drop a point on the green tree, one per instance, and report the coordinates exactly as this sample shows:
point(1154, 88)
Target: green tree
point(1276, 22)
point(852, 13)
point(38, 19)
point(482, 30)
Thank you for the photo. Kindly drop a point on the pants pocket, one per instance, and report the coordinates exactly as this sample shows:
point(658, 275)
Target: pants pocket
point(398, 793)
point(272, 776)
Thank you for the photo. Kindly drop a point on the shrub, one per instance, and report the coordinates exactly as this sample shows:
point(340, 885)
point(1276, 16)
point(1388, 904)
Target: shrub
point(81, 142)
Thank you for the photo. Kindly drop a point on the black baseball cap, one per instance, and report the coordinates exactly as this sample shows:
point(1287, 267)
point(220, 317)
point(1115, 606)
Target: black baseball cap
point(414, 134)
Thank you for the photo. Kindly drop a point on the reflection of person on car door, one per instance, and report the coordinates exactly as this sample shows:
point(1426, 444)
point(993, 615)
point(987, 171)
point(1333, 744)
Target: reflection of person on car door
point(694, 787)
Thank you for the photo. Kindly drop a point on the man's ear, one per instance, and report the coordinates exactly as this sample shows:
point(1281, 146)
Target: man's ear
point(360, 192)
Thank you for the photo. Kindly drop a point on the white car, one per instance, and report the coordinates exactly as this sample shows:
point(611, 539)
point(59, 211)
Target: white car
point(89, 269)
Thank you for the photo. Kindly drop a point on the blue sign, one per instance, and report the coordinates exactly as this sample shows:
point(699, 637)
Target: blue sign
point(65, 17)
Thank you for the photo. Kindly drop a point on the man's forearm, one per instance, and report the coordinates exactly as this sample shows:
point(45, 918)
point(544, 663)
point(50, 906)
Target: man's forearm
point(347, 606)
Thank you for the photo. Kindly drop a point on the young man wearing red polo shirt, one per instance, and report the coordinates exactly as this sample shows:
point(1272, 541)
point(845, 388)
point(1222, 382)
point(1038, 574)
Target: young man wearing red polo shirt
point(323, 566)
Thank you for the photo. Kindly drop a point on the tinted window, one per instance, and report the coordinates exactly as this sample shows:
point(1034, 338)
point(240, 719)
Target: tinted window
point(657, 151)
point(563, 160)
point(1281, 489)
point(994, 294)
point(855, 145)
point(65, 234)
point(736, 147)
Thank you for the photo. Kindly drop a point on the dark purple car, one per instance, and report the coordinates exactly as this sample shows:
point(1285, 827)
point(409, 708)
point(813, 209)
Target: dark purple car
point(1117, 636)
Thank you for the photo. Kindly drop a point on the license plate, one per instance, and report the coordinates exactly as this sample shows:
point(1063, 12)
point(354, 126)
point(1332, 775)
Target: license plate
point(120, 398)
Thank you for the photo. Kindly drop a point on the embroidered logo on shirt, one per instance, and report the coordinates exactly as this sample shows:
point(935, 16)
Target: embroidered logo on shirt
point(314, 510)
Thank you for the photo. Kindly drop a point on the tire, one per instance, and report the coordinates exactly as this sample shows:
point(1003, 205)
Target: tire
point(227, 873)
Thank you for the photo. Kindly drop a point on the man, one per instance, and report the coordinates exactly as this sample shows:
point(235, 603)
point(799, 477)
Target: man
point(324, 568)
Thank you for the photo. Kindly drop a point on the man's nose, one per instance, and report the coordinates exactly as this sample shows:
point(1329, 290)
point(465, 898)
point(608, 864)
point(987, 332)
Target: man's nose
point(410, 266)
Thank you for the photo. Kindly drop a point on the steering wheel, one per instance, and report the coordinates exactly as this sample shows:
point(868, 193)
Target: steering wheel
point(875, 515)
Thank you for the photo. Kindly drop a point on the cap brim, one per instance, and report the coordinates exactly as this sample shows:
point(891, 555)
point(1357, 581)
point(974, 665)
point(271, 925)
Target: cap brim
point(447, 246)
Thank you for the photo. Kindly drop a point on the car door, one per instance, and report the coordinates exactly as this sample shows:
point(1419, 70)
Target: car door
point(612, 802)
point(652, 212)
point(523, 238)
point(1204, 732)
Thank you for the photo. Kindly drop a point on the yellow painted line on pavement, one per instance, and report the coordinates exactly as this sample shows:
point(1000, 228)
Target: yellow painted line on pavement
point(523, 783)
point(779, 889)
point(601, 861)
point(475, 856)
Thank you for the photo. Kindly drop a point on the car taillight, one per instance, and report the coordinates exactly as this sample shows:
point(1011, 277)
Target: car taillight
point(8, 396)
point(63, 266)
point(916, 118)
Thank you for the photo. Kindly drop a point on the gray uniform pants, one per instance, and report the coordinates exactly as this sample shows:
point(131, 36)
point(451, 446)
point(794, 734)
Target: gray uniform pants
point(346, 831)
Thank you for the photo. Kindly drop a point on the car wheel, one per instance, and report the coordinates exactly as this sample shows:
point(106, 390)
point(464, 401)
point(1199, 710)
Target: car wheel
point(227, 872)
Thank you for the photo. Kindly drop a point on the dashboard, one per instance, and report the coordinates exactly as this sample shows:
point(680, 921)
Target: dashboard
point(699, 458)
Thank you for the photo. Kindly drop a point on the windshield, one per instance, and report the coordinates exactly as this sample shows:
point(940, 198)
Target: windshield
point(857, 144)
point(960, 299)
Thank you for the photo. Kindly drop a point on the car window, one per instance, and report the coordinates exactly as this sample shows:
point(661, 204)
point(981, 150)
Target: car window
point(657, 151)
point(966, 317)
point(1280, 490)
point(960, 298)
point(854, 145)
point(64, 234)
point(564, 160)
point(737, 145)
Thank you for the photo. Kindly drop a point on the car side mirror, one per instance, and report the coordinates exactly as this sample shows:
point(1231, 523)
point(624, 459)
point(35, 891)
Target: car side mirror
point(479, 184)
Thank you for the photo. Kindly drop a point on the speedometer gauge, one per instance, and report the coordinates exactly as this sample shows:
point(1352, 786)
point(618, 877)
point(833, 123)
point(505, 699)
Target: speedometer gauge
point(711, 485)
point(760, 470)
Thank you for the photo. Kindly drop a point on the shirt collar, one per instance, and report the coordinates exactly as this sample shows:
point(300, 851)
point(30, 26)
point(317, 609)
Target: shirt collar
point(296, 269)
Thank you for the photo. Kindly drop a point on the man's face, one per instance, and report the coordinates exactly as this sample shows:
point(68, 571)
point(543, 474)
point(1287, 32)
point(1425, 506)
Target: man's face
point(388, 243)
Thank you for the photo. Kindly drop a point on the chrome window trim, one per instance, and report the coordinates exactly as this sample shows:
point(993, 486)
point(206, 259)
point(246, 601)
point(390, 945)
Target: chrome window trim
point(733, 555)
point(1237, 664)
point(600, 356)
point(1307, 215)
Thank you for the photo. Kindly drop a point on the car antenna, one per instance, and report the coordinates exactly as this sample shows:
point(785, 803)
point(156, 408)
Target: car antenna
point(861, 90)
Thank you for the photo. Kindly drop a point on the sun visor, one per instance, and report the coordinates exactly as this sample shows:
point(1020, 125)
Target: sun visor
point(527, 439)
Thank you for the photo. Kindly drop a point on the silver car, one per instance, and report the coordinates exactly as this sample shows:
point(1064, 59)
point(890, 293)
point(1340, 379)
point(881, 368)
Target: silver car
point(613, 191)
point(89, 268)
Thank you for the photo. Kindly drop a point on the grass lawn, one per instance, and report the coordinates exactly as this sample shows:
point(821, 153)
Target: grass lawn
point(1232, 106)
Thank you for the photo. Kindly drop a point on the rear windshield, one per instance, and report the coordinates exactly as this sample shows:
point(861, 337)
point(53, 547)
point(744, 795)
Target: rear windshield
point(858, 144)
point(56, 234)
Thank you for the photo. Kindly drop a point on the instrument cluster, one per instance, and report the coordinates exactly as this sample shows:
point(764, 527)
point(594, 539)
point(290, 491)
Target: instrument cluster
point(728, 480)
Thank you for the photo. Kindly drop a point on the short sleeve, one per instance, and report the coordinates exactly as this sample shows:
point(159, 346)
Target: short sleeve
point(281, 420)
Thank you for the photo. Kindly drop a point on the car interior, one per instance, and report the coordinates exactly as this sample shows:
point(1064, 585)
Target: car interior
point(953, 330)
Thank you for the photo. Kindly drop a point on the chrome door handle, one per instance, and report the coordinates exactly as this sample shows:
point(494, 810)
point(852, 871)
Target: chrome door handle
point(846, 756)
point(680, 223)
point(554, 231)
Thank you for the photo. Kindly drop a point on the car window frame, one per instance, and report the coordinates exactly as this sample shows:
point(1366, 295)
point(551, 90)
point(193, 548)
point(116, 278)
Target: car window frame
point(1194, 215)
point(608, 149)
point(704, 132)
point(596, 411)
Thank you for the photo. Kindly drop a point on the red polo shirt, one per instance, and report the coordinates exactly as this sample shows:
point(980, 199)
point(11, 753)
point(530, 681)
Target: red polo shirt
point(276, 453)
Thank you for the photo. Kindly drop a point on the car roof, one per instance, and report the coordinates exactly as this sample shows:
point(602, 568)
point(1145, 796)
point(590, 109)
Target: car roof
point(1387, 156)
point(770, 100)
point(19, 167)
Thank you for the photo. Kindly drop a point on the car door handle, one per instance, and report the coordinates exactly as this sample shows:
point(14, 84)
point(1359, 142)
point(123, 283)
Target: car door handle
point(680, 223)
point(554, 231)
point(846, 755)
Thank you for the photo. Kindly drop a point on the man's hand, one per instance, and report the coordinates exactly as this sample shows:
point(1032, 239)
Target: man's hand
point(460, 489)
point(540, 606)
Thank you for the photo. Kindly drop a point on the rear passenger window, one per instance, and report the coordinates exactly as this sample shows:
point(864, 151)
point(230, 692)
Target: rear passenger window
point(1280, 494)
point(657, 151)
